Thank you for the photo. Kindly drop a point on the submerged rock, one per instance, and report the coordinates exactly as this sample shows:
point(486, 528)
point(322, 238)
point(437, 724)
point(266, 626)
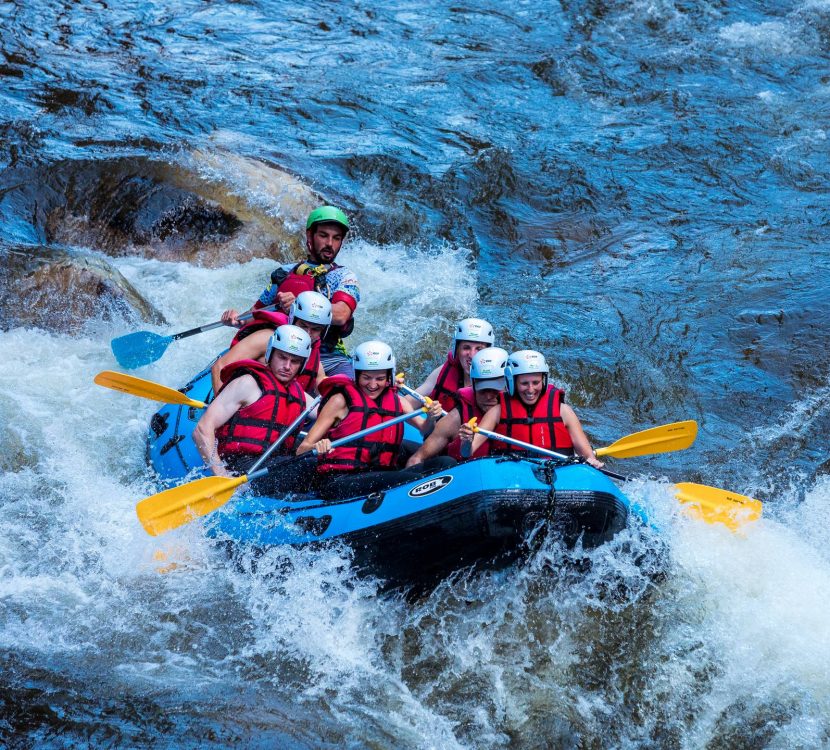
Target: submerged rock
point(49, 287)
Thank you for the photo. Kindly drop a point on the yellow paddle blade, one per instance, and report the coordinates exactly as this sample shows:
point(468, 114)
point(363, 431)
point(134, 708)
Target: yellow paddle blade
point(714, 505)
point(179, 505)
point(664, 439)
point(119, 381)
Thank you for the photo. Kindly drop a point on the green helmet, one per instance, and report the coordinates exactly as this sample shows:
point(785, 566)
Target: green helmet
point(327, 213)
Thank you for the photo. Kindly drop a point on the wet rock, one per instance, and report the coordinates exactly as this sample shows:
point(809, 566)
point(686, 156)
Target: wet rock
point(55, 288)
point(411, 204)
point(129, 214)
point(271, 203)
point(208, 208)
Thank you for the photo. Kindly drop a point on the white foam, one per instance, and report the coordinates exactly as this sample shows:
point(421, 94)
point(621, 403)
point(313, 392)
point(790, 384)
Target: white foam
point(79, 575)
point(772, 37)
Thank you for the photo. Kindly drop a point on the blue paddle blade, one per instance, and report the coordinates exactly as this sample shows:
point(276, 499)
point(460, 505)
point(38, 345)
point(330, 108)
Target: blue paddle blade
point(140, 348)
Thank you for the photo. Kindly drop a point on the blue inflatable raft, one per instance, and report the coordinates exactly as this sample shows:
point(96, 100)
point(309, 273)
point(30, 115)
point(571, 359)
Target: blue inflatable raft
point(481, 511)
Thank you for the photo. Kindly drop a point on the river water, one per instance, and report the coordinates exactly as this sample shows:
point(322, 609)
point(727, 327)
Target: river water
point(638, 189)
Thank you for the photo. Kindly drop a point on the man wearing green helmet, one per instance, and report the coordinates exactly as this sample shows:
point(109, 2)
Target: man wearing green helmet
point(326, 229)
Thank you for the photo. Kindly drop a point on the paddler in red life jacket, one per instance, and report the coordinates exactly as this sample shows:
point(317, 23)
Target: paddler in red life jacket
point(326, 229)
point(533, 411)
point(255, 405)
point(370, 463)
point(311, 311)
point(471, 336)
point(487, 375)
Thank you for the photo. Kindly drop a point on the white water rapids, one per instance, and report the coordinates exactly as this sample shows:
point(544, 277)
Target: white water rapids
point(731, 644)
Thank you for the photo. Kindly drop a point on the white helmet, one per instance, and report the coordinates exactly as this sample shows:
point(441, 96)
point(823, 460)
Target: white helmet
point(473, 329)
point(291, 340)
point(311, 307)
point(487, 369)
point(374, 355)
point(523, 363)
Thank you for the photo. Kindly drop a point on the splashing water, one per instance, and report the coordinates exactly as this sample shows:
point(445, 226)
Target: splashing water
point(637, 189)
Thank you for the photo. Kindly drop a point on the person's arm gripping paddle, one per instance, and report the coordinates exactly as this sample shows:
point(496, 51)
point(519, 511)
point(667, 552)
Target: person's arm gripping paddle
point(238, 394)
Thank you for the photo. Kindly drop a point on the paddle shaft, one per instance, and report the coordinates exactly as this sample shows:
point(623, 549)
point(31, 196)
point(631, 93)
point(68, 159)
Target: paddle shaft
point(144, 347)
point(336, 444)
point(370, 430)
point(410, 392)
point(278, 442)
point(217, 324)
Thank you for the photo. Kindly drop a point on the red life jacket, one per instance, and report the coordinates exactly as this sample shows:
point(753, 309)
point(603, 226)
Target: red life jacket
point(540, 425)
point(307, 377)
point(310, 280)
point(468, 408)
point(254, 427)
point(450, 379)
point(376, 451)
point(270, 319)
point(261, 319)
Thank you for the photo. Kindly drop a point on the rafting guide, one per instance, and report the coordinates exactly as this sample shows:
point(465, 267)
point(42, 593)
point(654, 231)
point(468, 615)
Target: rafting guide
point(326, 229)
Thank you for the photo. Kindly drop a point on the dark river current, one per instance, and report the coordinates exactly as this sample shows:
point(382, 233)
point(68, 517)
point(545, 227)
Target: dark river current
point(638, 189)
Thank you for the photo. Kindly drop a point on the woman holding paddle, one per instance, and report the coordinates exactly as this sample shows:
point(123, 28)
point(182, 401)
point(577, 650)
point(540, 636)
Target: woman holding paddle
point(531, 411)
point(370, 464)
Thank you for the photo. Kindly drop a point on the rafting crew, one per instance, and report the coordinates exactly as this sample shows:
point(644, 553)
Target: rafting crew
point(488, 382)
point(254, 406)
point(371, 463)
point(326, 229)
point(310, 311)
point(530, 410)
point(443, 383)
